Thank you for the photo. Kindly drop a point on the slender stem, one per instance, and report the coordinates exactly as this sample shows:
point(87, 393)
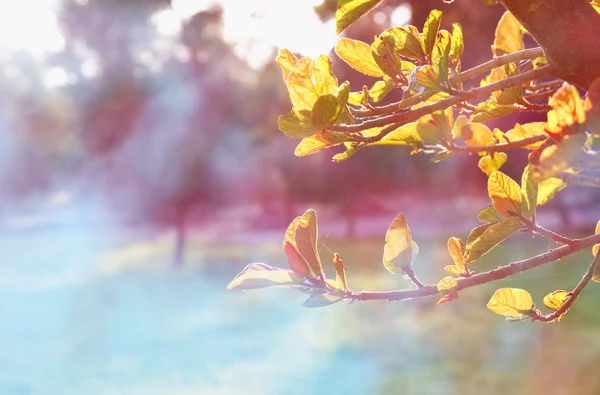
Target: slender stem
point(545, 85)
point(541, 95)
point(497, 62)
point(518, 144)
point(557, 315)
point(546, 232)
point(589, 160)
point(413, 115)
point(483, 278)
point(580, 179)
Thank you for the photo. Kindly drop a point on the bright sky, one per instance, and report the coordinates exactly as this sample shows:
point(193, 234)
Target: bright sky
point(255, 28)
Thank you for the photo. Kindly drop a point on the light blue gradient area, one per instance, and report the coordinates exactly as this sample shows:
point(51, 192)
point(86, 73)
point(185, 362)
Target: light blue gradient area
point(70, 326)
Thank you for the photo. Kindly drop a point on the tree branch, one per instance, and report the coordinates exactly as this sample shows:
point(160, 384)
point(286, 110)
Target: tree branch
point(557, 315)
point(546, 232)
point(413, 115)
point(483, 278)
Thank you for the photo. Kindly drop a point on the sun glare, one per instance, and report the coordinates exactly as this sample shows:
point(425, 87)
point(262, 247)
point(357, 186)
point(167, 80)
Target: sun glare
point(256, 28)
point(30, 26)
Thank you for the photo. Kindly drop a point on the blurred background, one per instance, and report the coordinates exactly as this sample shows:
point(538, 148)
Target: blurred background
point(141, 168)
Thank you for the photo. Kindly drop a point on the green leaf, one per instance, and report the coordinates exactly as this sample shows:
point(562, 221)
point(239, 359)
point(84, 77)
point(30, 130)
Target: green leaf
point(457, 45)
point(340, 272)
point(441, 53)
point(322, 299)
point(511, 302)
point(489, 164)
point(556, 299)
point(259, 275)
point(380, 89)
point(350, 150)
point(461, 120)
point(491, 237)
point(325, 111)
point(287, 61)
point(349, 11)
point(456, 247)
point(293, 126)
point(489, 214)
point(430, 31)
point(359, 56)
point(509, 37)
point(548, 188)
point(399, 249)
point(427, 76)
point(505, 194)
point(529, 192)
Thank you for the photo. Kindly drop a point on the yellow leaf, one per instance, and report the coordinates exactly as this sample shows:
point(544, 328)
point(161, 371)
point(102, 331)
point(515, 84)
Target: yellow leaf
point(529, 192)
point(302, 235)
point(511, 302)
point(568, 106)
point(295, 260)
point(447, 286)
point(476, 233)
point(490, 109)
point(315, 143)
point(505, 194)
point(325, 111)
point(489, 214)
point(520, 132)
point(440, 57)
point(259, 275)
point(548, 188)
point(491, 237)
point(477, 134)
point(595, 249)
point(559, 157)
point(556, 299)
point(349, 11)
point(385, 55)
point(453, 269)
point(340, 272)
point(380, 89)
point(359, 56)
point(399, 249)
point(461, 120)
point(309, 80)
point(509, 37)
point(427, 76)
point(489, 164)
point(406, 41)
point(457, 251)
point(456, 45)
point(410, 134)
point(295, 127)
point(430, 31)
point(287, 61)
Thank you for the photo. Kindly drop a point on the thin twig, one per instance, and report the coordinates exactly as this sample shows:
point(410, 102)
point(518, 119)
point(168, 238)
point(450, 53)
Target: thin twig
point(546, 232)
point(580, 179)
point(541, 95)
point(483, 278)
point(413, 115)
point(557, 315)
point(497, 62)
point(500, 147)
point(545, 85)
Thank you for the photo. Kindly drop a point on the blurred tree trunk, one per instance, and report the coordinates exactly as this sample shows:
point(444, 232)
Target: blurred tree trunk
point(569, 32)
point(180, 236)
